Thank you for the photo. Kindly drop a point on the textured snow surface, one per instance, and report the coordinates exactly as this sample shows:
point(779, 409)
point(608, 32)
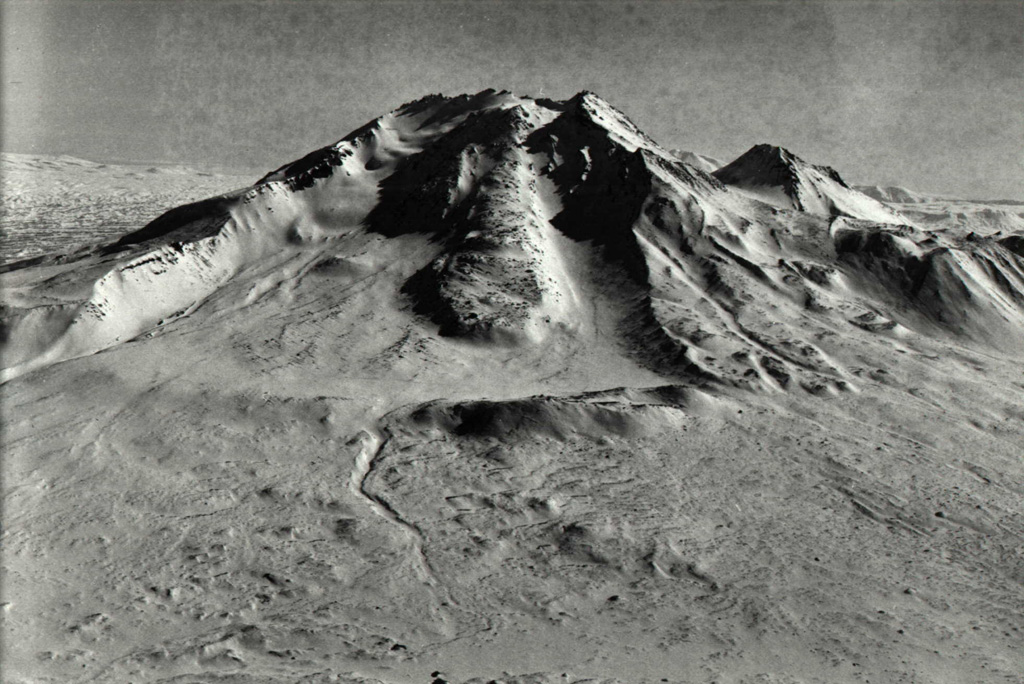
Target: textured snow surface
point(703, 162)
point(499, 389)
point(52, 204)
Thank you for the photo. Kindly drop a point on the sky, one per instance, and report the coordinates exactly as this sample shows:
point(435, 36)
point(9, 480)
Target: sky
point(928, 94)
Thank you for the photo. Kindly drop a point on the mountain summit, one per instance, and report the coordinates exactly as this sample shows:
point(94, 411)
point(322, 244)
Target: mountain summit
point(779, 177)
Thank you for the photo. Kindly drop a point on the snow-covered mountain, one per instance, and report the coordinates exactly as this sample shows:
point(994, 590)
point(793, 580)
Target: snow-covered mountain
point(509, 188)
point(500, 385)
point(782, 179)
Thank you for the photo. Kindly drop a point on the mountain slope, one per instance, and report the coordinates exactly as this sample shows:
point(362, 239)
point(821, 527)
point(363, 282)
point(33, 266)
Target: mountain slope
point(499, 385)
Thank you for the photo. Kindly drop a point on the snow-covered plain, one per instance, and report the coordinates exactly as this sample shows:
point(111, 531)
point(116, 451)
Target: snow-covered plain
point(53, 204)
point(500, 389)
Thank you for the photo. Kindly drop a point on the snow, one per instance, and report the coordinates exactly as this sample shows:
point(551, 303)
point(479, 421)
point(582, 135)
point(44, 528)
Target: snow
point(780, 178)
point(700, 161)
point(496, 385)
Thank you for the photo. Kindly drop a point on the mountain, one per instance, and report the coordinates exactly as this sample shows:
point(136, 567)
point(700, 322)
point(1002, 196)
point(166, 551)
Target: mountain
point(56, 203)
point(498, 388)
point(782, 179)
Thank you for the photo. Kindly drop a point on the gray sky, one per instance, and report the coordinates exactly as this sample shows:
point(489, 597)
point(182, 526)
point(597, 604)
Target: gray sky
point(927, 94)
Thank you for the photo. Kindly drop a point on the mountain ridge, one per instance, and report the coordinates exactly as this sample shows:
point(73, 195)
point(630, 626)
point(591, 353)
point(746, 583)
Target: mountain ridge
point(498, 181)
point(779, 177)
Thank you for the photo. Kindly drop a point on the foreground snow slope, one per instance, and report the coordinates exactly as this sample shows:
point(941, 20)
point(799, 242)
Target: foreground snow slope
point(499, 385)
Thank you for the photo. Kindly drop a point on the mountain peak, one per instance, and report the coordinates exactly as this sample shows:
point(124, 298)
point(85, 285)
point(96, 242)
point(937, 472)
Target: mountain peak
point(774, 175)
point(772, 165)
